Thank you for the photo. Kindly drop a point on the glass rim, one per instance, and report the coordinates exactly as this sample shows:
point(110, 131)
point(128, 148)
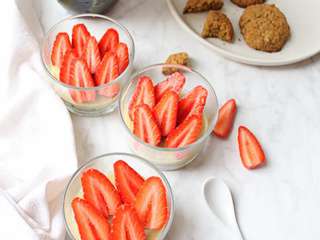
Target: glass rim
point(56, 25)
point(167, 227)
point(163, 149)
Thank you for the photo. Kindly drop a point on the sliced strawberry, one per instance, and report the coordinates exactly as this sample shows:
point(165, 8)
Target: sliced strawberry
point(193, 103)
point(126, 225)
point(65, 70)
point(107, 70)
point(122, 53)
point(251, 153)
point(151, 204)
point(166, 112)
point(60, 46)
point(186, 133)
point(145, 125)
point(109, 41)
point(80, 36)
point(144, 93)
point(91, 223)
point(81, 77)
point(128, 181)
point(227, 114)
point(110, 91)
point(174, 82)
point(91, 54)
point(100, 192)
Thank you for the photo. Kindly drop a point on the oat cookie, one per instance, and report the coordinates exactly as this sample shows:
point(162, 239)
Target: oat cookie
point(246, 3)
point(193, 6)
point(180, 58)
point(218, 25)
point(264, 27)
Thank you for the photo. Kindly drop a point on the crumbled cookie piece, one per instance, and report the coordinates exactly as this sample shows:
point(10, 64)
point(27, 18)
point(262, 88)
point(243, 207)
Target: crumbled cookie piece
point(181, 58)
point(264, 27)
point(193, 6)
point(218, 25)
point(246, 3)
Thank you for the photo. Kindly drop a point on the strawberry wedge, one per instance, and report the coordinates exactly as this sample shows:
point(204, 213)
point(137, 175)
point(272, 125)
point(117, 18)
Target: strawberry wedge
point(91, 54)
point(109, 41)
point(174, 82)
point(251, 153)
point(80, 36)
point(122, 53)
point(60, 46)
point(65, 70)
point(226, 116)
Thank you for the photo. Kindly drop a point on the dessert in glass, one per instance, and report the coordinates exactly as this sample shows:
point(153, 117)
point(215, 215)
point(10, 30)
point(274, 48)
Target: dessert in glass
point(168, 118)
point(118, 195)
point(88, 58)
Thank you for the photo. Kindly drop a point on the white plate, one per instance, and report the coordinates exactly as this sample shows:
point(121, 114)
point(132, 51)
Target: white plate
point(303, 17)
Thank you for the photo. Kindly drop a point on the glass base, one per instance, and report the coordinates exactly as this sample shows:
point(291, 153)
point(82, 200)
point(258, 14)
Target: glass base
point(91, 112)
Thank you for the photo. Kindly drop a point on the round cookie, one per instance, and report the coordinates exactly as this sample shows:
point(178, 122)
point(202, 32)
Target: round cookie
point(246, 3)
point(264, 27)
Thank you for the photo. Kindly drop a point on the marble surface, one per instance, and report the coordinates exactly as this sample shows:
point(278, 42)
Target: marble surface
point(280, 105)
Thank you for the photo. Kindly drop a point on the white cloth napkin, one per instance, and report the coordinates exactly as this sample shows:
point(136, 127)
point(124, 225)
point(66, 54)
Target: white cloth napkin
point(37, 151)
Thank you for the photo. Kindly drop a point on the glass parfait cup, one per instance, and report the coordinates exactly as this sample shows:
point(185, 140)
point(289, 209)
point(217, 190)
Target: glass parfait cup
point(104, 164)
point(87, 101)
point(169, 158)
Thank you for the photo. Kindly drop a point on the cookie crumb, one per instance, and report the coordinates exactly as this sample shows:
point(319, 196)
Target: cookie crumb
point(218, 25)
point(193, 6)
point(180, 58)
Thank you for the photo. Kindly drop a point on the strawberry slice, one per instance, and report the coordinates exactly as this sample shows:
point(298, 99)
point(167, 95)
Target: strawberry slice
point(100, 192)
point(81, 77)
point(143, 94)
point(80, 36)
point(91, 223)
point(193, 103)
point(91, 54)
point(151, 204)
point(60, 46)
point(122, 53)
point(186, 133)
point(145, 125)
point(65, 70)
point(227, 114)
point(128, 181)
point(174, 82)
point(166, 111)
point(126, 225)
point(110, 91)
point(251, 153)
point(109, 41)
point(107, 70)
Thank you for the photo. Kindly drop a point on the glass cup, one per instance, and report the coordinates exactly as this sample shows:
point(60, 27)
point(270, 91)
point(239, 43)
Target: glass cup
point(169, 158)
point(104, 163)
point(94, 101)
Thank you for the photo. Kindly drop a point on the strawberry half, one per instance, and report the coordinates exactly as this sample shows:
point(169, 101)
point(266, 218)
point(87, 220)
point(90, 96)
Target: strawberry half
point(251, 153)
point(100, 192)
point(91, 54)
point(60, 46)
point(143, 94)
point(126, 225)
point(226, 116)
point(107, 70)
point(145, 125)
point(166, 111)
point(80, 36)
point(186, 133)
point(174, 82)
point(109, 41)
point(128, 181)
point(81, 77)
point(65, 70)
point(193, 103)
point(151, 204)
point(91, 223)
point(122, 53)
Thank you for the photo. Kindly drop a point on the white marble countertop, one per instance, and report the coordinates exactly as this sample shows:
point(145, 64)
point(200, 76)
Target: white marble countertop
point(280, 105)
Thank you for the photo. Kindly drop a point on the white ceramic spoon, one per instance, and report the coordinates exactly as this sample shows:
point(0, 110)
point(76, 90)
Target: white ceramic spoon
point(218, 198)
